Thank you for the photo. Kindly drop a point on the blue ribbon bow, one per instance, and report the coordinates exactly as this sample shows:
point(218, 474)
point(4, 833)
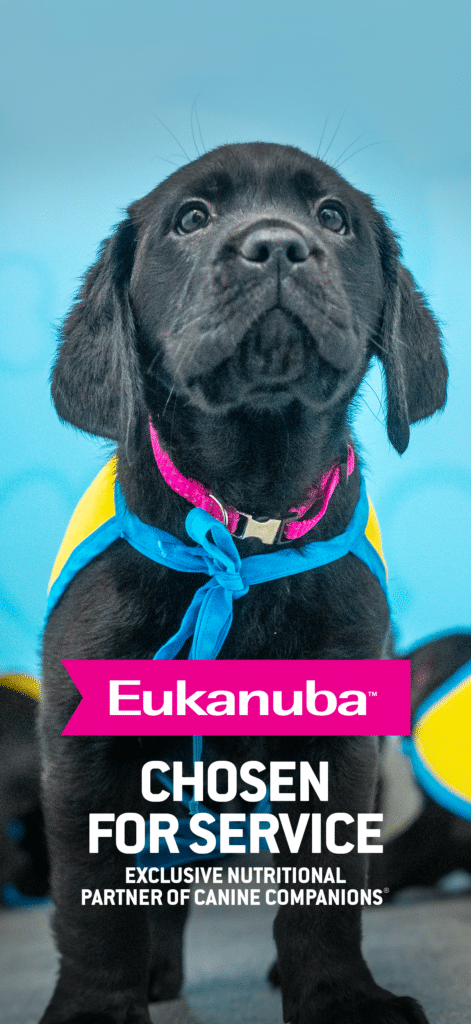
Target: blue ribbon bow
point(209, 616)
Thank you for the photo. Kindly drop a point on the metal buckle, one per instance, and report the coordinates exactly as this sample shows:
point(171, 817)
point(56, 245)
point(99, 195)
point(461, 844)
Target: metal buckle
point(269, 531)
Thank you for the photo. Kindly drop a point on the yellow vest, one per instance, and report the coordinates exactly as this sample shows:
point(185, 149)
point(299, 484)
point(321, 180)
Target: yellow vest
point(440, 744)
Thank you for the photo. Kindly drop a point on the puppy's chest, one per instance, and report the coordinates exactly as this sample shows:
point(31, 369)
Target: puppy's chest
point(303, 616)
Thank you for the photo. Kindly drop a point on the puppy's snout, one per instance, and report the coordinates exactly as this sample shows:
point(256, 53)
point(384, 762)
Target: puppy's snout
point(274, 246)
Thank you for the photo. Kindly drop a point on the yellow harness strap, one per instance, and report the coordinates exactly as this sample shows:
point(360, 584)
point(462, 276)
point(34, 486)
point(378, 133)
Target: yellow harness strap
point(27, 685)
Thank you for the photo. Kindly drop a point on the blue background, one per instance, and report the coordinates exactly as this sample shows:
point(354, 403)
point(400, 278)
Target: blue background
point(381, 89)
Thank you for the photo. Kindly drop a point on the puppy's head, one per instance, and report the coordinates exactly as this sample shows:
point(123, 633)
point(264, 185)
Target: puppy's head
point(253, 278)
point(435, 662)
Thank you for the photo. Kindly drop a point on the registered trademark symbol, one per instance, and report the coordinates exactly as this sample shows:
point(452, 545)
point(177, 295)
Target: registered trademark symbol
point(372, 693)
point(386, 890)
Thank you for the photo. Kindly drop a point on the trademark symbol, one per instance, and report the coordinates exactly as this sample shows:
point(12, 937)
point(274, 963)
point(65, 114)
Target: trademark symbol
point(372, 693)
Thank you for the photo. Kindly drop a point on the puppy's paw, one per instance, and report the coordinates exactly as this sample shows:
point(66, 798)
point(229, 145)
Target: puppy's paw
point(392, 1010)
point(89, 1017)
point(129, 1016)
point(396, 1010)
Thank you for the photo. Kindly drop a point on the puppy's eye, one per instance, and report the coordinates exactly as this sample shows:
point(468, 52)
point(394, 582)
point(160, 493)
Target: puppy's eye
point(192, 218)
point(333, 219)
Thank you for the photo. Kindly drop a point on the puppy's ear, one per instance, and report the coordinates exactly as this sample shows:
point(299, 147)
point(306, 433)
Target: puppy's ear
point(95, 381)
point(408, 345)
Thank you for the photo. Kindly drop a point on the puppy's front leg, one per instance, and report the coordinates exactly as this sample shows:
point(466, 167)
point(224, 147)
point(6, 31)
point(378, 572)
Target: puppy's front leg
point(166, 925)
point(324, 978)
point(104, 948)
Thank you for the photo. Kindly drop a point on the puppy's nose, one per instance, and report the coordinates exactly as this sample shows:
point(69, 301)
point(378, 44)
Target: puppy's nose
point(274, 246)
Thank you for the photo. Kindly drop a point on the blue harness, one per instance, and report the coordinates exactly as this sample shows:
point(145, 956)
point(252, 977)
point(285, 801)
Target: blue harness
point(209, 616)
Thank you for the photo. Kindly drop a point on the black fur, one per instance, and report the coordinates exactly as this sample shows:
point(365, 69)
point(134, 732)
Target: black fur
point(245, 340)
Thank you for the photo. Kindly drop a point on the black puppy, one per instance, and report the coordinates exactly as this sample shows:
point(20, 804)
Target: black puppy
point(437, 841)
point(23, 861)
point(238, 307)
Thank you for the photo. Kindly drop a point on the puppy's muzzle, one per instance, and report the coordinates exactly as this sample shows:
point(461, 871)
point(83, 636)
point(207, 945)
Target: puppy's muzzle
point(273, 351)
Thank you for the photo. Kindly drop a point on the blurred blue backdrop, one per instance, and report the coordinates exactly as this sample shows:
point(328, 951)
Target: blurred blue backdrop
point(381, 89)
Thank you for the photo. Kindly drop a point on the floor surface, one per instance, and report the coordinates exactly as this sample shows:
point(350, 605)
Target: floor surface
point(419, 947)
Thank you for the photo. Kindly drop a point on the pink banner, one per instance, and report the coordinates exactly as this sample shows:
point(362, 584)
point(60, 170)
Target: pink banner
point(237, 698)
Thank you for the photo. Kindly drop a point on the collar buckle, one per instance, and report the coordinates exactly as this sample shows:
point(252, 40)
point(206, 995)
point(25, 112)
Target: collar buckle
point(269, 531)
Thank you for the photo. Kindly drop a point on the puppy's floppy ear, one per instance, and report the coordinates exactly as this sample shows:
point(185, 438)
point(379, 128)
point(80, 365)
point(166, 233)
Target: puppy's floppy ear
point(408, 345)
point(95, 381)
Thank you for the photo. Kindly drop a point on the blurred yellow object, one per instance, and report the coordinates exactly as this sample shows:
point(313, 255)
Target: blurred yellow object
point(440, 744)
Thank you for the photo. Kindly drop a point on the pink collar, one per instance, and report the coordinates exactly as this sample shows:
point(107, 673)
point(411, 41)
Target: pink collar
point(241, 524)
